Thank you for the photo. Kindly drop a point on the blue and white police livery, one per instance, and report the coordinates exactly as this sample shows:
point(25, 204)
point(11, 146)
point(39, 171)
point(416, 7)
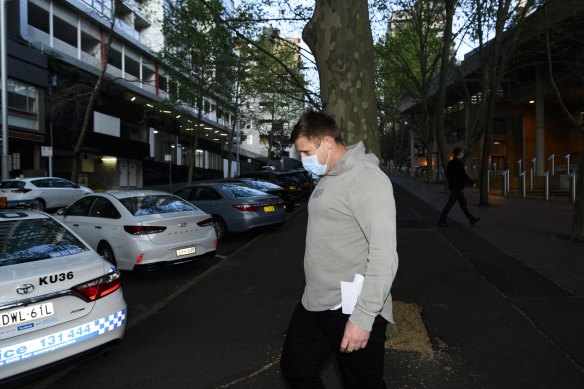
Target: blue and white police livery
point(58, 297)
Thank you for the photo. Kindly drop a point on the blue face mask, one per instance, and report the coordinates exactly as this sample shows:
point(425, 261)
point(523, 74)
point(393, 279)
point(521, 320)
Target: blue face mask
point(313, 165)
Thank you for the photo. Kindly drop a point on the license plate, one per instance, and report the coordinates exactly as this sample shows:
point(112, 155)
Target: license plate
point(292, 187)
point(185, 251)
point(269, 208)
point(26, 314)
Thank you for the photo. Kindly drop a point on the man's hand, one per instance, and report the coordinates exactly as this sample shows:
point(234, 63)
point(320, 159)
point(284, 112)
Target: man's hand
point(354, 338)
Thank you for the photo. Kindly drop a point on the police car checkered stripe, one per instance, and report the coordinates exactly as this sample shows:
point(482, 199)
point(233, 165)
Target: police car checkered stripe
point(21, 351)
point(111, 322)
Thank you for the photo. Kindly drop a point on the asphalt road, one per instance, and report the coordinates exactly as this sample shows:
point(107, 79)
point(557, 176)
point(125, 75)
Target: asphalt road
point(490, 321)
point(155, 345)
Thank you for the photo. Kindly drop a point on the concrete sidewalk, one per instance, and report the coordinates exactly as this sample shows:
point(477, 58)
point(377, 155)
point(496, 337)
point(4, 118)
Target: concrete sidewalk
point(530, 230)
point(501, 301)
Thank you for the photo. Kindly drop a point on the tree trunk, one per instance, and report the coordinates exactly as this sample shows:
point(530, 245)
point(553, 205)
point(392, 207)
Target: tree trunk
point(443, 85)
point(578, 220)
point(339, 37)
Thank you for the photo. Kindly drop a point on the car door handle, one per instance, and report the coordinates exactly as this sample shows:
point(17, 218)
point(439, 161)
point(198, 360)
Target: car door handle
point(75, 225)
point(98, 227)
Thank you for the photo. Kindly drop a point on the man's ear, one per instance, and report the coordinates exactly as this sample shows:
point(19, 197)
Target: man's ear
point(330, 142)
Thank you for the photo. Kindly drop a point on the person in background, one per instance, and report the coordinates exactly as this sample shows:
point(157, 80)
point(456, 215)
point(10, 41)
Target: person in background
point(351, 231)
point(457, 178)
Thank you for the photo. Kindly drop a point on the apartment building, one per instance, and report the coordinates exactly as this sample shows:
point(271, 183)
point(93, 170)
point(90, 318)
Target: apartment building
point(56, 50)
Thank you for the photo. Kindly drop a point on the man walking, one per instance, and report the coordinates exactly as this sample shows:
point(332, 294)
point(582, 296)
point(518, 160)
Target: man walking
point(456, 179)
point(351, 231)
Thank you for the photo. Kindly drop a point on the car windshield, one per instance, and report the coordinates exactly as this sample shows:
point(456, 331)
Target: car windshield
point(156, 204)
point(11, 184)
point(32, 240)
point(241, 191)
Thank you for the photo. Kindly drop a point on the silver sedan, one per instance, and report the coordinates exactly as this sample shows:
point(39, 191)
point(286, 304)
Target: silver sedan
point(235, 207)
point(141, 229)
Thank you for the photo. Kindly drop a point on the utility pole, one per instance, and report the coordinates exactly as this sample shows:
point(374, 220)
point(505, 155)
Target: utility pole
point(4, 81)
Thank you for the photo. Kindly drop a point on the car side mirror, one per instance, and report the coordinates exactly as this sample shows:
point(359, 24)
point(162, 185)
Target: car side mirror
point(62, 211)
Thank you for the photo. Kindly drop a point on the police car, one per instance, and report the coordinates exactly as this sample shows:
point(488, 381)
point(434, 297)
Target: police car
point(58, 297)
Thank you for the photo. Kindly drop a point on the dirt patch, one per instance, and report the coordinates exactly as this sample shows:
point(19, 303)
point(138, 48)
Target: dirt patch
point(408, 333)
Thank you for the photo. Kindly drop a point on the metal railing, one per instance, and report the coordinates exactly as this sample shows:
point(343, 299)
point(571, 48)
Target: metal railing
point(522, 175)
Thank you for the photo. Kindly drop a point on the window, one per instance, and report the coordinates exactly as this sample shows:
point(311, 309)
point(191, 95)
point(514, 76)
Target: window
point(43, 183)
point(241, 191)
point(104, 208)
point(61, 183)
point(156, 204)
point(185, 193)
point(22, 97)
point(38, 17)
point(80, 207)
point(207, 194)
point(32, 240)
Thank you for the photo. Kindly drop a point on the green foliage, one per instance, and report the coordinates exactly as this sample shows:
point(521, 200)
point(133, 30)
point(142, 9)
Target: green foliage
point(273, 100)
point(407, 61)
point(198, 50)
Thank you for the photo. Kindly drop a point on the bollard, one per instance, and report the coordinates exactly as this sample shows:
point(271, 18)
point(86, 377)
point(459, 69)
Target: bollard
point(573, 187)
point(567, 164)
point(523, 186)
point(546, 186)
point(531, 179)
point(488, 181)
point(520, 162)
point(505, 187)
point(552, 159)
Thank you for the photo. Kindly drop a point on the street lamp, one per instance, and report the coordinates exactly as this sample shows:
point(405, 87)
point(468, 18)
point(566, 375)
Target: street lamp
point(4, 81)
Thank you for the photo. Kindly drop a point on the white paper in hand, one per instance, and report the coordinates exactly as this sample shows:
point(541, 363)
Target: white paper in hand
point(350, 291)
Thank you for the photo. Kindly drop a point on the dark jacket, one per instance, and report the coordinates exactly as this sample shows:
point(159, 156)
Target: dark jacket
point(456, 175)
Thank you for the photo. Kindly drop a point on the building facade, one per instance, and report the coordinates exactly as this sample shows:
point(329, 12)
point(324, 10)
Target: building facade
point(56, 50)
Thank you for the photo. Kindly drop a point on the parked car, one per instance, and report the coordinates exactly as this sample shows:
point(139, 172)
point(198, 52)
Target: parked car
point(235, 207)
point(40, 193)
point(285, 180)
point(59, 297)
point(307, 183)
point(141, 229)
point(268, 187)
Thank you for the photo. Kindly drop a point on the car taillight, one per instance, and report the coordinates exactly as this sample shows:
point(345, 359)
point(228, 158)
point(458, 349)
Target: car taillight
point(246, 207)
point(207, 222)
point(144, 230)
point(21, 190)
point(99, 287)
point(281, 204)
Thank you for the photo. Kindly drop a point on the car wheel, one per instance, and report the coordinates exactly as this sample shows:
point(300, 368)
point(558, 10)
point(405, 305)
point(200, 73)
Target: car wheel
point(220, 227)
point(107, 253)
point(38, 204)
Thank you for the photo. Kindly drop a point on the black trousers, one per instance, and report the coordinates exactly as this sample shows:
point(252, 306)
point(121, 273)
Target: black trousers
point(313, 336)
point(456, 195)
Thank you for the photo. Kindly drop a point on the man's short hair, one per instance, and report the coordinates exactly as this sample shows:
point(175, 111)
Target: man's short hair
point(315, 125)
point(456, 151)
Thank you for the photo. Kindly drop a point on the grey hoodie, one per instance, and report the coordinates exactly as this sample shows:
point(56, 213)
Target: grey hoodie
point(352, 229)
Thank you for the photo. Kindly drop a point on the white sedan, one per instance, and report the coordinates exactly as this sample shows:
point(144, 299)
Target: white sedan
point(40, 193)
point(58, 297)
point(141, 229)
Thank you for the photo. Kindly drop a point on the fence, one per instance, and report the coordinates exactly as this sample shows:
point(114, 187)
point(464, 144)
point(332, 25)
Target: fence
point(559, 179)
